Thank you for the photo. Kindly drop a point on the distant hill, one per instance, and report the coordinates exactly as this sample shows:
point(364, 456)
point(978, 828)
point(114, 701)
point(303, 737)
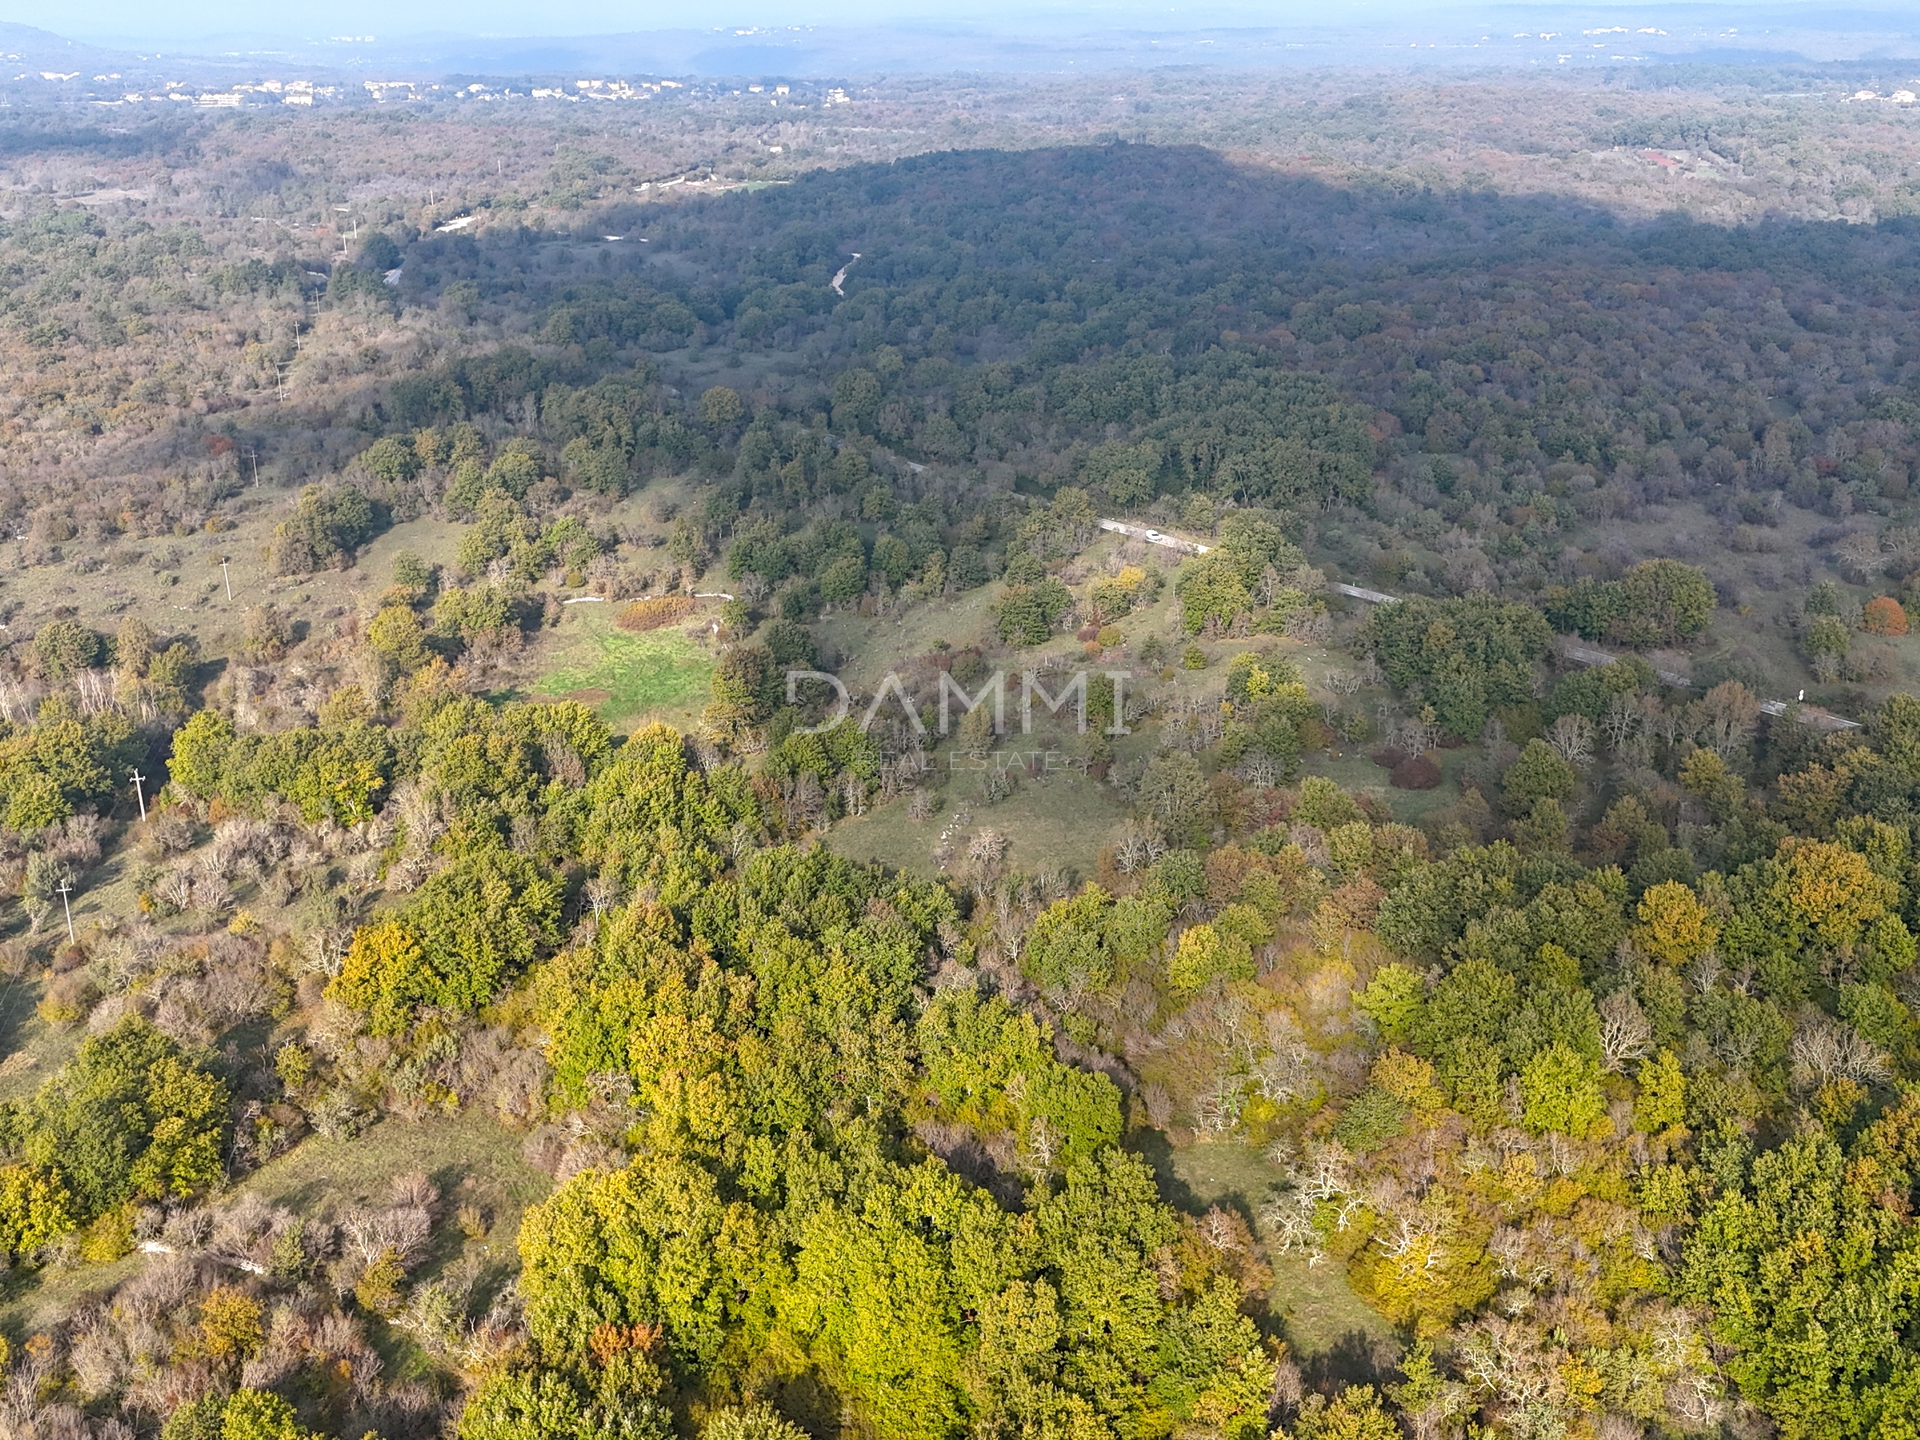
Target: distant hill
point(31, 45)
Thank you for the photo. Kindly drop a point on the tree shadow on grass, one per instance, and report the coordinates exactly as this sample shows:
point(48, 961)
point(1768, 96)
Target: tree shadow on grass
point(1356, 1358)
point(18, 996)
point(1153, 1147)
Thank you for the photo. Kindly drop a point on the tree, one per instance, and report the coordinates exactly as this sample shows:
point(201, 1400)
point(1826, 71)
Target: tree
point(397, 636)
point(196, 1420)
point(992, 1068)
point(1705, 774)
point(1356, 1414)
point(264, 635)
point(230, 1326)
point(856, 400)
point(469, 930)
point(1884, 615)
point(1675, 927)
point(327, 526)
point(1728, 715)
point(63, 647)
point(720, 408)
point(501, 528)
point(515, 470)
point(1469, 655)
point(1539, 774)
point(1256, 544)
point(1560, 1090)
point(1176, 792)
point(1823, 1348)
point(133, 646)
point(391, 459)
point(1571, 737)
point(1663, 602)
point(1212, 588)
point(879, 1301)
point(1896, 726)
point(1832, 892)
point(751, 1422)
point(1026, 614)
point(1204, 953)
point(653, 1244)
point(127, 1117)
point(1394, 998)
point(1662, 1098)
point(746, 687)
point(1826, 636)
point(1065, 950)
point(35, 1208)
point(1625, 1032)
point(261, 1415)
point(380, 976)
point(550, 1405)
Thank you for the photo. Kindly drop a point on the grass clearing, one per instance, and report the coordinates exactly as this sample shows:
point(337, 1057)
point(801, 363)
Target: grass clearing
point(1061, 821)
point(629, 679)
point(472, 1158)
point(1328, 1328)
point(34, 1301)
point(33, 1049)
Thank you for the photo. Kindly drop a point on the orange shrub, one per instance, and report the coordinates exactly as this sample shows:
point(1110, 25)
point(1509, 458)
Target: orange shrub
point(1884, 617)
point(652, 614)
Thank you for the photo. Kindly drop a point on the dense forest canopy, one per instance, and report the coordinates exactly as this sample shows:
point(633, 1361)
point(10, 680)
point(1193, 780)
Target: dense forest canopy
point(464, 979)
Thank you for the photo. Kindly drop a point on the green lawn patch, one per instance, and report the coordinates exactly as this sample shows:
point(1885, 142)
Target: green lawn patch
point(661, 674)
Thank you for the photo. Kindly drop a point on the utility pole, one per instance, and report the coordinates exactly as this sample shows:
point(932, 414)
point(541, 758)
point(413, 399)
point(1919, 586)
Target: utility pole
point(138, 793)
point(226, 576)
point(65, 886)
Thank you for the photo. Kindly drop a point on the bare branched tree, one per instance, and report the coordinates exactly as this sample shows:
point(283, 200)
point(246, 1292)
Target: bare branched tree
point(1726, 718)
point(1625, 1032)
point(1571, 737)
point(1825, 1050)
point(1622, 718)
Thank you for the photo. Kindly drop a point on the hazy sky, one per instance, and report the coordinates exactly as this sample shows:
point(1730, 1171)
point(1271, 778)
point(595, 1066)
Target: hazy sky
point(180, 20)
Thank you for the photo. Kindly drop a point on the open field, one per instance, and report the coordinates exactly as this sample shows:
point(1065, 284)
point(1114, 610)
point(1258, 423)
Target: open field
point(1057, 823)
point(629, 679)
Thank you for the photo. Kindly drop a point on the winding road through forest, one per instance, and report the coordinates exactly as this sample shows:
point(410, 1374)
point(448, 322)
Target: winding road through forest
point(1579, 654)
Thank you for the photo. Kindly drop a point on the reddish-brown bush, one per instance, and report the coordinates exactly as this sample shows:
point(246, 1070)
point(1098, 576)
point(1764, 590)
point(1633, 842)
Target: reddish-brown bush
point(1417, 772)
point(652, 614)
point(1884, 616)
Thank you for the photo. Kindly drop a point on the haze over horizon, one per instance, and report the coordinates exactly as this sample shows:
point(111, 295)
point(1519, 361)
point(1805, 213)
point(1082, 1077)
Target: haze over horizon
point(228, 23)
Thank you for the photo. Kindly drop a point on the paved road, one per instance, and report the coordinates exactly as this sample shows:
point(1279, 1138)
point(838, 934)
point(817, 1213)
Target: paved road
point(1585, 655)
point(1155, 537)
point(1824, 719)
point(1372, 597)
